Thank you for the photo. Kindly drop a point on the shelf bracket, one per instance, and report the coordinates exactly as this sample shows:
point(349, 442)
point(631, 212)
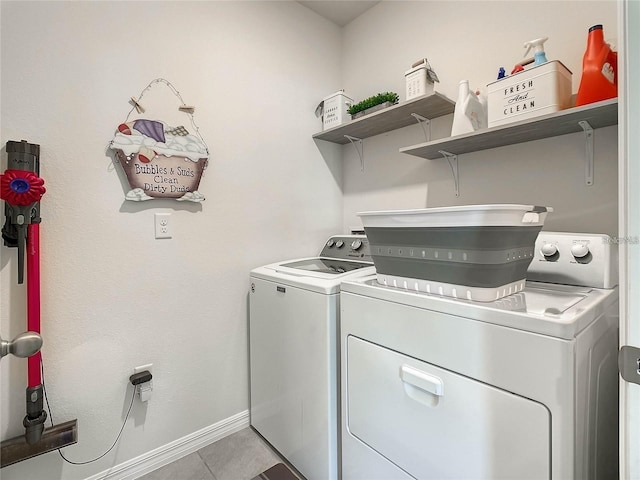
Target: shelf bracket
point(453, 163)
point(355, 141)
point(588, 165)
point(423, 121)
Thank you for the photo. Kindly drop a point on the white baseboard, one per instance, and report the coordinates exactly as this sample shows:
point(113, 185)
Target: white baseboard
point(150, 461)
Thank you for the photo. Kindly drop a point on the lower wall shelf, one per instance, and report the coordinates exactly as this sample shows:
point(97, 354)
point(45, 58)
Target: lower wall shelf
point(597, 115)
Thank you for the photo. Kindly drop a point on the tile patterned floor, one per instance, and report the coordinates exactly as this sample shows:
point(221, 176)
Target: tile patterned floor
point(240, 456)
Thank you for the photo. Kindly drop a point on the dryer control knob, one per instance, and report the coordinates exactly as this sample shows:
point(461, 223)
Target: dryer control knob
point(580, 250)
point(339, 244)
point(356, 244)
point(549, 249)
point(330, 243)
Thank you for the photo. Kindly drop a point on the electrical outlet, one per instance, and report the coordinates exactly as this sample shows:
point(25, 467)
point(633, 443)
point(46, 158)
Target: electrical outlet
point(142, 368)
point(163, 225)
point(143, 390)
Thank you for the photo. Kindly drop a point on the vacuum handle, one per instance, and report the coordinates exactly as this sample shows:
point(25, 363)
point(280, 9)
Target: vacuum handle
point(15, 230)
point(21, 244)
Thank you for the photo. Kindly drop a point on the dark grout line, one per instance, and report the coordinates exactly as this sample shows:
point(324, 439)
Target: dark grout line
point(205, 464)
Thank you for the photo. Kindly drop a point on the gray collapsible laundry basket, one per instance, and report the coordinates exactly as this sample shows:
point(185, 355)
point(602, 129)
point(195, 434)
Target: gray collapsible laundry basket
point(475, 252)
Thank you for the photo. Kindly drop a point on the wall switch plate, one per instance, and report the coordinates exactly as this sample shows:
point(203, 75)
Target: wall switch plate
point(163, 225)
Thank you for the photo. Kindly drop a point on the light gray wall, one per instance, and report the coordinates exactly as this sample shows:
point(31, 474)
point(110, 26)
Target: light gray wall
point(113, 297)
point(471, 40)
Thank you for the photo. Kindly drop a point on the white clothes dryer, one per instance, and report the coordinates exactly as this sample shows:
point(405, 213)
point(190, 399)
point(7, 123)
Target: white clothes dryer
point(293, 339)
point(520, 388)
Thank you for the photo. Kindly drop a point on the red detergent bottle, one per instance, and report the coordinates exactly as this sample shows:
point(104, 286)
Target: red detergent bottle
point(599, 70)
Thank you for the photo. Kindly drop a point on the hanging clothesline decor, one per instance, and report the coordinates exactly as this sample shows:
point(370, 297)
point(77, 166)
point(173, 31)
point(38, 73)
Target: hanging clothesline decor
point(160, 160)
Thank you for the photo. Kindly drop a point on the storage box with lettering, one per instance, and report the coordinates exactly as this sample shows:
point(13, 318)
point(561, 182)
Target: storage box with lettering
point(419, 80)
point(334, 111)
point(527, 94)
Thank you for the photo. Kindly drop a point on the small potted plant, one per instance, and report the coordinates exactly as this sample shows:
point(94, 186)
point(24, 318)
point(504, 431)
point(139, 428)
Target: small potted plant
point(373, 104)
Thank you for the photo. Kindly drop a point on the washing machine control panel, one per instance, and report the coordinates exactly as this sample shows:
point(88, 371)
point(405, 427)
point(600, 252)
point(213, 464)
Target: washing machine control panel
point(584, 259)
point(349, 247)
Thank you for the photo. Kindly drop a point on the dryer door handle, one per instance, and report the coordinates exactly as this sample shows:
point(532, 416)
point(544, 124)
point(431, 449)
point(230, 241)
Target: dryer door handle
point(422, 380)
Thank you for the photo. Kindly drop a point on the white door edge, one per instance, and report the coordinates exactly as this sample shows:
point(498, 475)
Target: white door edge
point(629, 224)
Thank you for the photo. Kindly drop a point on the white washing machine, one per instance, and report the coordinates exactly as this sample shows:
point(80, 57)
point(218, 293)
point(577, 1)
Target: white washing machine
point(525, 387)
point(293, 338)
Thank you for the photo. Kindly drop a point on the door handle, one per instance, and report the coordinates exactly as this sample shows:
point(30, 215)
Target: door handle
point(24, 345)
point(422, 380)
point(629, 364)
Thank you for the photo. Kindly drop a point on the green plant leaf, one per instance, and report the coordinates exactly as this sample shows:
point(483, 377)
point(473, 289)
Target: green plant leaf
point(373, 101)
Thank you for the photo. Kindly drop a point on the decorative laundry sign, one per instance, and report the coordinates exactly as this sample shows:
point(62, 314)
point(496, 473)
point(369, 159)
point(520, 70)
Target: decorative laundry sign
point(159, 160)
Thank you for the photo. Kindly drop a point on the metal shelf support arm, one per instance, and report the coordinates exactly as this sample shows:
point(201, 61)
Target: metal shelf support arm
point(588, 165)
point(453, 163)
point(355, 141)
point(423, 121)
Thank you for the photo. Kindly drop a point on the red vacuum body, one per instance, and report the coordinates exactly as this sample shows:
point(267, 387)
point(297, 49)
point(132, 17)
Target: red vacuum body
point(22, 188)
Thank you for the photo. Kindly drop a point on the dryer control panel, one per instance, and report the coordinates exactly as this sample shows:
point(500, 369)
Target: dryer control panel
point(348, 247)
point(585, 259)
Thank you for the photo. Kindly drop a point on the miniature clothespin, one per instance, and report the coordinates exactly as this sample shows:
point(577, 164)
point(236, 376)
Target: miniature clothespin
point(187, 108)
point(137, 106)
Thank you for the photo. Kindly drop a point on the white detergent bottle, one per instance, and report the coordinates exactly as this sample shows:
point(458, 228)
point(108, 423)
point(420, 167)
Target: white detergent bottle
point(539, 56)
point(484, 119)
point(469, 114)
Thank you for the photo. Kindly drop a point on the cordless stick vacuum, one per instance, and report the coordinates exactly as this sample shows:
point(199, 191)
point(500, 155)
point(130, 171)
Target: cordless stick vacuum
point(22, 188)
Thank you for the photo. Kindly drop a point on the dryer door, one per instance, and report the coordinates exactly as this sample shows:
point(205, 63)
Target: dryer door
point(435, 424)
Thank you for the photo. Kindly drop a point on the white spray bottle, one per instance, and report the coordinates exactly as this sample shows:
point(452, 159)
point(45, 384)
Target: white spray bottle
point(469, 114)
point(539, 56)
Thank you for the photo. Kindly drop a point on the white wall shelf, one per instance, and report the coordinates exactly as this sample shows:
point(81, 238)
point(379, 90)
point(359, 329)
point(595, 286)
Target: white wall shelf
point(392, 118)
point(596, 115)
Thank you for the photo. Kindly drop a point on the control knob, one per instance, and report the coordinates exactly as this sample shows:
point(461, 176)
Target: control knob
point(330, 243)
point(339, 244)
point(549, 250)
point(580, 250)
point(356, 244)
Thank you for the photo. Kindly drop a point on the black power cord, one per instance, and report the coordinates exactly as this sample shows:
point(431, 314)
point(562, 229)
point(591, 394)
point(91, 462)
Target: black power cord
point(133, 396)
